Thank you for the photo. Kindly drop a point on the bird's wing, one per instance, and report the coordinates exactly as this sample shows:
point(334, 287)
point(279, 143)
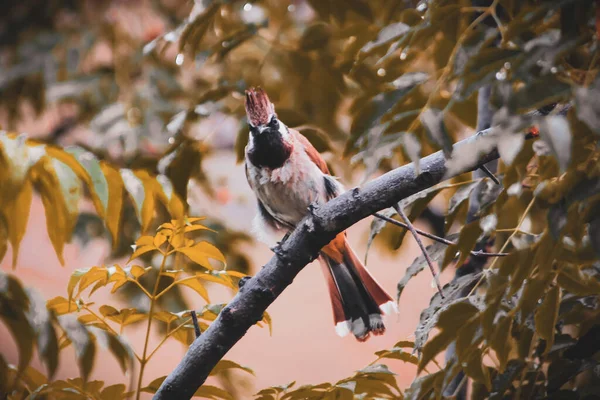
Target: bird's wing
point(311, 152)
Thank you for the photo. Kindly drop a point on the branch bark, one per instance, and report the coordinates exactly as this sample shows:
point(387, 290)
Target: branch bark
point(303, 245)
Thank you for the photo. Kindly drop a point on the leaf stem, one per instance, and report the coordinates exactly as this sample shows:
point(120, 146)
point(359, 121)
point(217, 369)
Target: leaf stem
point(141, 287)
point(153, 300)
point(168, 335)
point(412, 230)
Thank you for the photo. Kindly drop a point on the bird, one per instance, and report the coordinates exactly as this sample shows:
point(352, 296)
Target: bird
point(289, 176)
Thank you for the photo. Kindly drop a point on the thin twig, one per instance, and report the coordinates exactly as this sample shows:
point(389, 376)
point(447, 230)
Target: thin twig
point(439, 239)
point(195, 322)
point(504, 246)
point(490, 174)
point(412, 230)
point(459, 386)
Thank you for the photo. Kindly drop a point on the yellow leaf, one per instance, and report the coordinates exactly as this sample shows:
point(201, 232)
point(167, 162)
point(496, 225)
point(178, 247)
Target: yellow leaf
point(191, 220)
point(201, 252)
point(118, 276)
point(236, 274)
point(17, 156)
point(123, 317)
point(145, 241)
point(93, 275)
point(217, 277)
point(159, 239)
point(114, 207)
point(141, 250)
point(267, 320)
point(137, 271)
point(196, 285)
point(165, 316)
point(192, 228)
point(16, 215)
point(59, 221)
point(61, 306)
point(3, 238)
point(168, 197)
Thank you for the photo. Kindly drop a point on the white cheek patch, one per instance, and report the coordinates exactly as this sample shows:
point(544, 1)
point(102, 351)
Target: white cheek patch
point(285, 133)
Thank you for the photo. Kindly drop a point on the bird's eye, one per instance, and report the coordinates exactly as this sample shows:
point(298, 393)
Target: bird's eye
point(274, 124)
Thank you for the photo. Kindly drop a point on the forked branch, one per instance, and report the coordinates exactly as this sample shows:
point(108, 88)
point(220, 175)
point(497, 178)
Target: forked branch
point(302, 247)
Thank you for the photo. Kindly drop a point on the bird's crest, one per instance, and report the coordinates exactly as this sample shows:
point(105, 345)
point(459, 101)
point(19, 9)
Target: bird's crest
point(259, 108)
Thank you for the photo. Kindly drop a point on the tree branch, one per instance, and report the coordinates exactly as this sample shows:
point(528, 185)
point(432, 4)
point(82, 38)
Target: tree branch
point(303, 246)
point(412, 230)
point(477, 253)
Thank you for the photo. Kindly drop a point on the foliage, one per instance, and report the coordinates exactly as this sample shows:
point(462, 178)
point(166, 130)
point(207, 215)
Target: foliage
point(381, 82)
point(82, 325)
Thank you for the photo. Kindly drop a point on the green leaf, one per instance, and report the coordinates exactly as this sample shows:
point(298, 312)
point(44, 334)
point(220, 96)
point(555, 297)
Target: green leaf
point(546, 316)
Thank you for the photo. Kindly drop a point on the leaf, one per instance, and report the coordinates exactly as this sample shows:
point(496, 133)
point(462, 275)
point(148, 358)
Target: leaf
point(587, 106)
point(433, 121)
point(573, 280)
point(206, 391)
point(424, 385)
point(449, 320)
point(458, 203)
point(201, 252)
point(114, 392)
point(228, 364)
point(114, 344)
point(396, 353)
point(369, 116)
point(467, 240)
point(41, 322)
point(546, 316)
point(195, 285)
point(316, 136)
point(85, 348)
point(453, 292)
point(435, 252)
point(124, 317)
point(94, 177)
point(556, 133)
point(114, 207)
point(60, 306)
point(501, 340)
point(14, 303)
point(385, 36)
point(315, 37)
point(16, 215)
point(60, 207)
